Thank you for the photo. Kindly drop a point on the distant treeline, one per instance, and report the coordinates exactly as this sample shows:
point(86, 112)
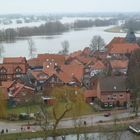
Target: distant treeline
point(91, 23)
point(132, 24)
point(50, 28)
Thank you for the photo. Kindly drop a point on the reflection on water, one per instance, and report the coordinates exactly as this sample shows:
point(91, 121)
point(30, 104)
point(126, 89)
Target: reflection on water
point(100, 136)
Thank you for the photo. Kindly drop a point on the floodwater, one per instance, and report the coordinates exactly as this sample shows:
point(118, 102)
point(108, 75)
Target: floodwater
point(100, 136)
point(78, 39)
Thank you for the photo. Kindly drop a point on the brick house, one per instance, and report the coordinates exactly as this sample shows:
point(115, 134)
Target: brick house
point(13, 67)
point(112, 91)
point(90, 95)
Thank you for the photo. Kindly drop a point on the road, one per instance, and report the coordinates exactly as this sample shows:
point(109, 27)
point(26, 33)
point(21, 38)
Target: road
point(66, 123)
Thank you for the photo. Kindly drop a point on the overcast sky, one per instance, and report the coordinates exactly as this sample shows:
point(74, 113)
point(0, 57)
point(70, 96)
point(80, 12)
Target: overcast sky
point(43, 6)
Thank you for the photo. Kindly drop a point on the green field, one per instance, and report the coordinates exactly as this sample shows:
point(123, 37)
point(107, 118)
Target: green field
point(116, 29)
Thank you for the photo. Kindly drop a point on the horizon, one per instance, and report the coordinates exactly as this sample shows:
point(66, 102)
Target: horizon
point(63, 6)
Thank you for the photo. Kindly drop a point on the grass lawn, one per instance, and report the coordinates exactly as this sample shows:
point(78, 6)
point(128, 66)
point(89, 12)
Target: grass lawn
point(25, 109)
point(83, 109)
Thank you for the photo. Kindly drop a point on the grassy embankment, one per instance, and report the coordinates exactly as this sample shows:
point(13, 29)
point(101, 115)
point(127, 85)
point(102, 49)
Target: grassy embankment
point(115, 29)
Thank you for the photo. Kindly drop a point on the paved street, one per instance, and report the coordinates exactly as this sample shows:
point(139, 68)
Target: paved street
point(65, 123)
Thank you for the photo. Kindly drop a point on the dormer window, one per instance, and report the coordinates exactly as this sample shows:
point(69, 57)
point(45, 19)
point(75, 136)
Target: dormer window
point(18, 70)
point(3, 70)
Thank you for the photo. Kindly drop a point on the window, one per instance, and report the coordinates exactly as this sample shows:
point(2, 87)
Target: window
point(18, 70)
point(3, 75)
point(3, 70)
point(121, 96)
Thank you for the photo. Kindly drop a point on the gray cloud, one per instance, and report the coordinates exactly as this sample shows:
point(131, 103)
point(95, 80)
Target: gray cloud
point(39, 6)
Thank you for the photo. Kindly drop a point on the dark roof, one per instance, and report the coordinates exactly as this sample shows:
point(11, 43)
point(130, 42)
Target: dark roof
point(27, 79)
point(113, 84)
point(130, 37)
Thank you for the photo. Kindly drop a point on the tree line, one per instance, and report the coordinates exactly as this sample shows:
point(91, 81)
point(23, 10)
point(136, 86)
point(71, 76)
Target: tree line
point(132, 24)
point(50, 28)
point(91, 23)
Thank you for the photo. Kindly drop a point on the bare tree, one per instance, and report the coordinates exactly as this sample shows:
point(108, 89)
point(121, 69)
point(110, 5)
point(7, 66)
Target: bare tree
point(65, 47)
point(58, 118)
point(1, 50)
point(97, 43)
point(31, 47)
point(43, 120)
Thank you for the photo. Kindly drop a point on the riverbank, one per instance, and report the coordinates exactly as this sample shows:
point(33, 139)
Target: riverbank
point(115, 29)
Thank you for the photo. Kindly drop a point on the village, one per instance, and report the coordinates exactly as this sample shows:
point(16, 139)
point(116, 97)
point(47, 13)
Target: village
point(84, 82)
point(101, 74)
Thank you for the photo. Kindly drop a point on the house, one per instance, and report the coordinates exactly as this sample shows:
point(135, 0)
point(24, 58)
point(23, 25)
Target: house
point(112, 92)
point(119, 67)
point(86, 52)
point(64, 74)
point(34, 79)
point(90, 95)
point(121, 50)
point(97, 68)
point(93, 69)
point(39, 76)
point(17, 93)
point(37, 63)
point(12, 68)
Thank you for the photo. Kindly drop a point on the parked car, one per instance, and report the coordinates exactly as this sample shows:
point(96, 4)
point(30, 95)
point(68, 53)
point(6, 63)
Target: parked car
point(107, 114)
point(24, 116)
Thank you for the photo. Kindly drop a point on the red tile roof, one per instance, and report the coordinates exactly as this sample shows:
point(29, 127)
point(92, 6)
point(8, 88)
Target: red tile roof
point(123, 48)
point(98, 65)
point(14, 60)
point(19, 87)
point(86, 60)
point(67, 72)
point(119, 63)
point(58, 58)
point(49, 68)
point(41, 58)
point(34, 62)
point(39, 75)
point(116, 40)
point(73, 70)
point(11, 67)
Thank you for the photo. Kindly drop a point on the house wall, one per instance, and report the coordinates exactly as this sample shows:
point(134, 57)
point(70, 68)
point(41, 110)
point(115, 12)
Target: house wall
point(24, 96)
point(11, 73)
point(110, 97)
point(121, 70)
